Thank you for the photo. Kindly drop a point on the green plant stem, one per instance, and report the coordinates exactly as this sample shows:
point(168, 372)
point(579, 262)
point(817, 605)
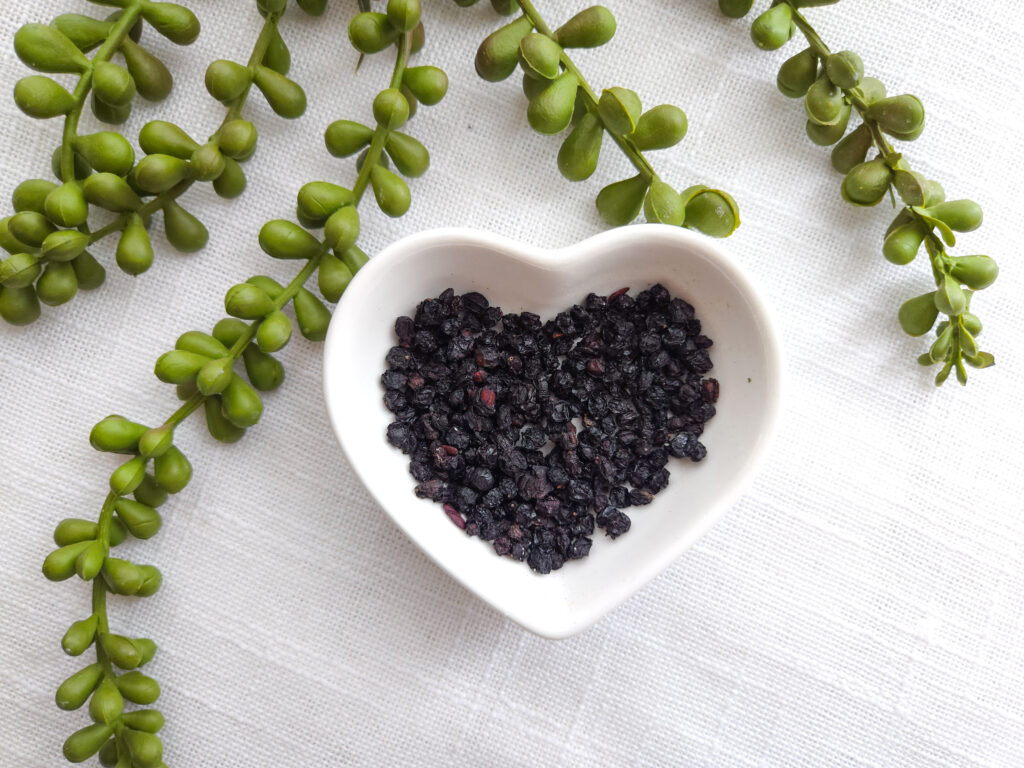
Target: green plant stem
point(259, 50)
point(380, 134)
point(939, 259)
point(239, 346)
point(99, 588)
point(106, 51)
point(813, 39)
point(147, 209)
point(99, 591)
point(624, 143)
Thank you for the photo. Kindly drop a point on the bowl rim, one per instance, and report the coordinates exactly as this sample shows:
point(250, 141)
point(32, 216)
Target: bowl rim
point(583, 616)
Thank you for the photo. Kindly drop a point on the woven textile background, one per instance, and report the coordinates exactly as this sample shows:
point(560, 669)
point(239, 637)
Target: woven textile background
point(863, 605)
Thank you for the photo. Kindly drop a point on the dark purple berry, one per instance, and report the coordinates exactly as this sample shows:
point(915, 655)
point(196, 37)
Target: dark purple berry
point(697, 451)
point(534, 484)
point(481, 478)
point(638, 498)
point(709, 390)
point(613, 521)
point(487, 357)
point(698, 361)
point(399, 358)
point(434, 490)
point(393, 379)
point(579, 548)
point(404, 329)
point(401, 436)
point(475, 302)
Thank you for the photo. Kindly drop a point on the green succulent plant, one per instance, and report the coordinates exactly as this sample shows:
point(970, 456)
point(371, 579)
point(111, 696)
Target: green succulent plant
point(222, 374)
point(834, 87)
point(49, 235)
point(560, 98)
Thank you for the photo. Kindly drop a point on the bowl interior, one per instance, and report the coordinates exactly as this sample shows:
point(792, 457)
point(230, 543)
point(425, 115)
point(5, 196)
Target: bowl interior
point(517, 277)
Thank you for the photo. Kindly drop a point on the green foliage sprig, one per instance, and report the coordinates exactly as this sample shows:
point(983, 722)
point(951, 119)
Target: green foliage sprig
point(560, 97)
point(204, 366)
point(833, 86)
point(48, 236)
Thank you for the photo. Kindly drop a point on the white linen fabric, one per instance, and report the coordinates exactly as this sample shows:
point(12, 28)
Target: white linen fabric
point(861, 606)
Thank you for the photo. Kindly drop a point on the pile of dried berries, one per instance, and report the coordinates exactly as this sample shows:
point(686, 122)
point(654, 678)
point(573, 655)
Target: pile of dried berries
point(529, 433)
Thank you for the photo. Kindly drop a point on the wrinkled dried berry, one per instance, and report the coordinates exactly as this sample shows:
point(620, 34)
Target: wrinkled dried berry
point(579, 548)
point(679, 446)
point(435, 490)
point(638, 498)
point(475, 302)
point(709, 390)
point(614, 521)
point(404, 329)
point(399, 358)
point(401, 436)
point(481, 478)
point(393, 379)
point(530, 434)
point(534, 485)
point(532, 437)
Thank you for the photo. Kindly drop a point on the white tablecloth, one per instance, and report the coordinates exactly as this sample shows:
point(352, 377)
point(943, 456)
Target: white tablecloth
point(862, 605)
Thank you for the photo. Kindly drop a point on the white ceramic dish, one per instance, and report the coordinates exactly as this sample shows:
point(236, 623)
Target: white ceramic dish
point(520, 277)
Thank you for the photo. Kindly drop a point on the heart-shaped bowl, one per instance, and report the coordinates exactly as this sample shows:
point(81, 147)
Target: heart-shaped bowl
point(520, 277)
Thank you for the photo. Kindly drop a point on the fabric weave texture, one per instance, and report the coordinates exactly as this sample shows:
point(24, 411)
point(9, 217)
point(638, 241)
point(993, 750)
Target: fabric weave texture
point(863, 605)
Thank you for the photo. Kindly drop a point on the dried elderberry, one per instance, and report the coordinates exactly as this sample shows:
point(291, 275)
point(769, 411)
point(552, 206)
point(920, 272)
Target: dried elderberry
point(532, 433)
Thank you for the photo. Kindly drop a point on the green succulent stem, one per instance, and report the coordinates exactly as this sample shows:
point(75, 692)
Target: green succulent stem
point(157, 203)
point(259, 50)
point(300, 279)
point(403, 48)
point(196, 401)
point(855, 98)
point(109, 647)
point(99, 589)
point(192, 404)
point(99, 599)
point(939, 260)
point(149, 208)
point(99, 609)
point(634, 155)
point(110, 46)
point(813, 38)
point(941, 267)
